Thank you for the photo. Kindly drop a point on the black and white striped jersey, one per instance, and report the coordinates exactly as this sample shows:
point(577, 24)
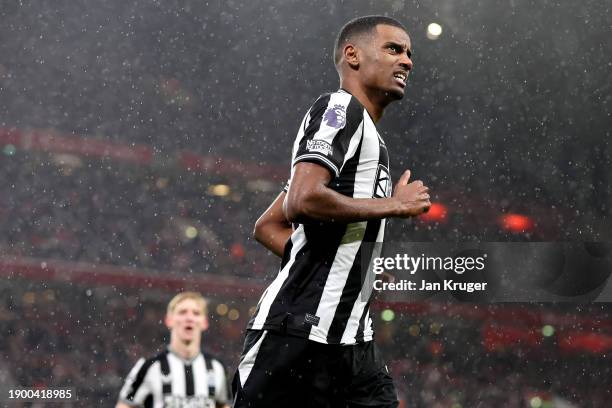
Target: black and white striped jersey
point(168, 381)
point(320, 292)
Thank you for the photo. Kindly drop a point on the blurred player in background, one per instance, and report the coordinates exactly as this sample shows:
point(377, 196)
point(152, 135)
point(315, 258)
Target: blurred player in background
point(309, 343)
point(182, 375)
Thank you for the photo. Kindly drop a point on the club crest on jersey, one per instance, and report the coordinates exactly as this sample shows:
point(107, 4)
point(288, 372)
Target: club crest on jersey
point(382, 188)
point(335, 116)
point(319, 146)
point(311, 319)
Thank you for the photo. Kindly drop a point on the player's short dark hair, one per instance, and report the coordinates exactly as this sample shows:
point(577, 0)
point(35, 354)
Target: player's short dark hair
point(359, 26)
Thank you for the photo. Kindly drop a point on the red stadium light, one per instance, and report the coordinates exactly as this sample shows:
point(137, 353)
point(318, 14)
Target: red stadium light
point(437, 213)
point(516, 223)
point(237, 250)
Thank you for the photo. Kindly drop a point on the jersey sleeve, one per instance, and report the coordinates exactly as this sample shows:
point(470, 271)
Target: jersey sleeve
point(136, 389)
point(222, 393)
point(330, 132)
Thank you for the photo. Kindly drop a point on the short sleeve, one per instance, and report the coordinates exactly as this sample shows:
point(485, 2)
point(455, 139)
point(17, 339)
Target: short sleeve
point(135, 389)
point(331, 132)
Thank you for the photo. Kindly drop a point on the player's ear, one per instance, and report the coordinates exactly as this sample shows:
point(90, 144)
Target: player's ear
point(168, 321)
point(205, 325)
point(351, 55)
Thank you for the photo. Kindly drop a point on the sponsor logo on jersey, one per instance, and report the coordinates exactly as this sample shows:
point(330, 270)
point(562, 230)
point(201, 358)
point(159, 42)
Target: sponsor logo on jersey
point(335, 116)
point(319, 146)
point(196, 401)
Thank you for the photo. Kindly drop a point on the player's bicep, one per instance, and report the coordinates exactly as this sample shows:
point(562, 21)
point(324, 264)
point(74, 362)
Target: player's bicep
point(307, 182)
point(307, 177)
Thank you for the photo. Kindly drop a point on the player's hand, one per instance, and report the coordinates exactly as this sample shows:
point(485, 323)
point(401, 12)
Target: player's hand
point(413, 197)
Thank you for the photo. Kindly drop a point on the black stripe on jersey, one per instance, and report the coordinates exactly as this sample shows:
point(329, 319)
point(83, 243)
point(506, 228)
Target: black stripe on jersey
point(250, 339)
point(148, 402)
point(189, 387)
point(140, 377)
point(286, 254)
point(163, 360)
point(360, 330)
point(353, 285)
point(316, 116)
point(208, 365)
point(165, 370)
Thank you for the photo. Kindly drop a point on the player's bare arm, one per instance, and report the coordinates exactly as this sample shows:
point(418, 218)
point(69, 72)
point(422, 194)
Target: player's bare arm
point(123, 405)
point(272, 229)
point(309, 198)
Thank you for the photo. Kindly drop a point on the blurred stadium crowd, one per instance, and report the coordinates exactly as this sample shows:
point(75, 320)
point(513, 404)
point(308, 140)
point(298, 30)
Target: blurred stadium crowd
point(228, 79)
point(124, 214)
point(439, 359)
point(69, 206)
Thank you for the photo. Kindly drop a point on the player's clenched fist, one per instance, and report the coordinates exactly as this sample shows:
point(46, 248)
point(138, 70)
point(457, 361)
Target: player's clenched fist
point(413, 198)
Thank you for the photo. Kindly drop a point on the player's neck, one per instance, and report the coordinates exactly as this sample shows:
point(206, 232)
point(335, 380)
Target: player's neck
point(186, 351)
point(369, 102)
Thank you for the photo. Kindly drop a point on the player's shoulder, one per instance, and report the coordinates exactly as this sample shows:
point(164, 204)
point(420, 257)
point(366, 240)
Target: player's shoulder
point(212, 359)
point(162, 355)
point(144, 363)
point(338, 106)
point(338, 97)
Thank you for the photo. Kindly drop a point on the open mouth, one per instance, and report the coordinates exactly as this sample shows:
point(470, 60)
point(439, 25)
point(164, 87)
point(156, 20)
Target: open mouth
point(401, 77)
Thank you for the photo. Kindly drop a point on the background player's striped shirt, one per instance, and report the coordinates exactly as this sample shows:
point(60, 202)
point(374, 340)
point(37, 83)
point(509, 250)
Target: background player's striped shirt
point(167, 380)
point(320, 292)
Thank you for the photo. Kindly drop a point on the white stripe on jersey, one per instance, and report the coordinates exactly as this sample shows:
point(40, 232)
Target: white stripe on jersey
point(333, 288)
point(352, 326)
point(177, 372)
point(199, 371)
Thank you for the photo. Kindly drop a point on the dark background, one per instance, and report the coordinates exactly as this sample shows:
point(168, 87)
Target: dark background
point(509, 108)
point(508, 112)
